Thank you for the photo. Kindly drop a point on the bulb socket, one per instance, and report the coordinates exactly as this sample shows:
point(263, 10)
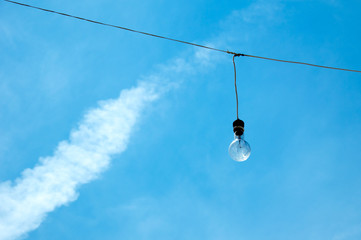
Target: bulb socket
point(238, 127)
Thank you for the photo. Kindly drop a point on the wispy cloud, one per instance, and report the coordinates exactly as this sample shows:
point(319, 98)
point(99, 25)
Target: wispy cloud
point(103, 132)
point(354, 232)
point(261, 11)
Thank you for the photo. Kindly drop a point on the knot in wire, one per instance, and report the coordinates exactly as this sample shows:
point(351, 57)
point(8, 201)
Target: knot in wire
point(236, 54)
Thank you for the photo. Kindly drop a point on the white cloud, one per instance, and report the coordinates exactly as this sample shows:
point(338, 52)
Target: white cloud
point(104, 131)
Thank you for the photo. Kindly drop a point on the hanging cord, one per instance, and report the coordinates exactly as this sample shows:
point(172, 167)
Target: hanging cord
point(235, 79)
point(181, 41)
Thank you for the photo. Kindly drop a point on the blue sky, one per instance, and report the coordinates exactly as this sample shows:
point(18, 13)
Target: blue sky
point(152, 162)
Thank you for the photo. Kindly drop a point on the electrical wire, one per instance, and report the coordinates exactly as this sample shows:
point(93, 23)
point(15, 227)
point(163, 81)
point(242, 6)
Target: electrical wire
point(181, 41)
point(115, 26)
point(235, 81)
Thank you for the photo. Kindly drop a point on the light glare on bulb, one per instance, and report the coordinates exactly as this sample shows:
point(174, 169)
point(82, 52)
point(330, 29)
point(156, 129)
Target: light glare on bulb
point(239, 150)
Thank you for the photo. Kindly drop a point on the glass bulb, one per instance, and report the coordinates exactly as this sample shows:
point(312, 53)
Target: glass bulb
point(239, 150)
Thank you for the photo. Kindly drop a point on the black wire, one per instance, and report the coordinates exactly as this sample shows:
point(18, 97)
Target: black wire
point(235, 81)
point(303, 63)
point(181, 41)
point(115, 26)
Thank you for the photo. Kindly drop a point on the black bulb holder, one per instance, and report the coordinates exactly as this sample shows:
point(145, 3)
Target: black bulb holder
point(238, 127)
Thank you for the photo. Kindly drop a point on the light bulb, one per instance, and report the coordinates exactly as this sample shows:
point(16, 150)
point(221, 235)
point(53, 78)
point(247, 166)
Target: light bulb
point(239, 150)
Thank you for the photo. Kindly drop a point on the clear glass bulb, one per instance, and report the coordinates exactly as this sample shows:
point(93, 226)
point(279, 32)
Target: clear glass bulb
point(239, 150)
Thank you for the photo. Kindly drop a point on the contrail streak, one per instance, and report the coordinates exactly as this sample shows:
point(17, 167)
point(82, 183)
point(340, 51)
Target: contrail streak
point(104, 131)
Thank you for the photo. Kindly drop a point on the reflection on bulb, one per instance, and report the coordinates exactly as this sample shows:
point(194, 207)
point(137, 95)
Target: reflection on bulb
point(239, 150)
